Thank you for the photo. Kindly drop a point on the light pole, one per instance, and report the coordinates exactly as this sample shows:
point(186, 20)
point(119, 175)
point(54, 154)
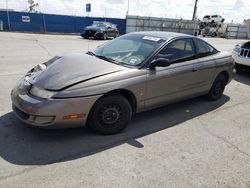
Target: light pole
point(195, 9)
point(128, 8)
point(8, 15)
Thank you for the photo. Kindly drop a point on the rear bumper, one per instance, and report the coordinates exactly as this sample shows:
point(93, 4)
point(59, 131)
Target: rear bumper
point(51, 113)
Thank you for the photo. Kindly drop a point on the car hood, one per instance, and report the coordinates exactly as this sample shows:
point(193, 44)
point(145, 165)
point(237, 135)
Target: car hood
point(246, 45)
point(93, 28)
point(72, 69)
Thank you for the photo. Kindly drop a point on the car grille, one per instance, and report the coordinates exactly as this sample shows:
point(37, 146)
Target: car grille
point(245, 53)
point(20, 113)
point(90, 33)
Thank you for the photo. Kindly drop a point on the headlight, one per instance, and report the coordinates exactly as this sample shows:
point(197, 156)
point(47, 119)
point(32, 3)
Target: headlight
point(237, 49)
point(42, 93)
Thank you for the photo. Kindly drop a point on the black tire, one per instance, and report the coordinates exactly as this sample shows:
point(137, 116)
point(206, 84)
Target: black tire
point(104, 36)
point(110, 115)
point(237, 67)
point(116, 35)
point(213, 34)
point(217, 88)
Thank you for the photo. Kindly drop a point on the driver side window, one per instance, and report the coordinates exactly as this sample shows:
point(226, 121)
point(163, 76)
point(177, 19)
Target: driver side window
point(178, 51)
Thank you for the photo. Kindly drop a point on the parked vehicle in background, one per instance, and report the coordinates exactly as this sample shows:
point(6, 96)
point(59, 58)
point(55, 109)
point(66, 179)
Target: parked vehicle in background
point(215, 30)
point(213, 19)
point(133, 73)
point(217, 19)
point(100, 30)
point(212, 25)
point(206, 19)
point(241, 54)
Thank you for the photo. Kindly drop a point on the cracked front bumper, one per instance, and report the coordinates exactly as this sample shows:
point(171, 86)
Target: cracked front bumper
point(51, 113)
point(91, 33)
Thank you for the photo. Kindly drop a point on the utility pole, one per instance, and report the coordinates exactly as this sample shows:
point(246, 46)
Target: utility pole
point(195, 9)
point(105, 15)
point(128, 8)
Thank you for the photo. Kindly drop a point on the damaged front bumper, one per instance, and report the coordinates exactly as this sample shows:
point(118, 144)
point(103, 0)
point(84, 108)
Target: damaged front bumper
point(92, 34)
point(49, 112)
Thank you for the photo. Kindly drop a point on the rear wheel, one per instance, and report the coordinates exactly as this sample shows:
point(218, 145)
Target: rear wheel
point(116, 35)
point(110, 115)
point(217, 88)
point(214, 34)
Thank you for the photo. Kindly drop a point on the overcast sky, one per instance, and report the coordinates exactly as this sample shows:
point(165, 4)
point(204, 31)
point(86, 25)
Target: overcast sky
point(236, 10)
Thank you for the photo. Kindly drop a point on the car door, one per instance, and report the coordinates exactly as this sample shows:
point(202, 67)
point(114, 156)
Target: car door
point(204, 65)
point(177, 81)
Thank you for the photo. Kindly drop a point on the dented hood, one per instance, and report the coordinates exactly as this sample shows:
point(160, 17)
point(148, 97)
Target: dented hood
point(72, 69)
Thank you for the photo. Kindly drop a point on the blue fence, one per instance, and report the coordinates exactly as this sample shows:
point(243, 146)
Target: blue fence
point(50, 23)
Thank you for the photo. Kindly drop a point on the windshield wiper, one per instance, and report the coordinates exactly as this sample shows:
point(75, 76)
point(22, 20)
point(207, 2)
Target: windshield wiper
point(106, 58)
point(91, 53)
point(109, 59)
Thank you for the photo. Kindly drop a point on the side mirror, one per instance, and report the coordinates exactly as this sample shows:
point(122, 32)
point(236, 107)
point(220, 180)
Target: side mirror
point(160, 62)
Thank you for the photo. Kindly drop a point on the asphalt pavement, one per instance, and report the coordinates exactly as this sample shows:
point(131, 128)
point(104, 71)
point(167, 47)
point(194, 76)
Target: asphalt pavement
point(194, 143)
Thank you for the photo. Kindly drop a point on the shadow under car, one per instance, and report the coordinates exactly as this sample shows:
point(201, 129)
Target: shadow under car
point(23, 145)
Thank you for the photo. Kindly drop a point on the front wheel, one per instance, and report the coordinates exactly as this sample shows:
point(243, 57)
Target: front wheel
point(110, 115)
point(104, 36)
point(217, 88)
point(237, 67)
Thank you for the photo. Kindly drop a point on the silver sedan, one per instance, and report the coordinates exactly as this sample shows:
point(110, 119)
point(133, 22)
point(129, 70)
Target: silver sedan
point(133, 73)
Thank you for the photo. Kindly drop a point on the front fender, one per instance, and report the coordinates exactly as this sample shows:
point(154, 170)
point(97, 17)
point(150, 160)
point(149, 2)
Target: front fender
point(135, 82)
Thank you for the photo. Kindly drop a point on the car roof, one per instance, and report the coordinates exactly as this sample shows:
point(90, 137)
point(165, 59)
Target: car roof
point(161, 34)
point(102, 22)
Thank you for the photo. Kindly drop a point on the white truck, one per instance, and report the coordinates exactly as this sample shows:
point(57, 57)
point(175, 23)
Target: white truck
point(215, 29)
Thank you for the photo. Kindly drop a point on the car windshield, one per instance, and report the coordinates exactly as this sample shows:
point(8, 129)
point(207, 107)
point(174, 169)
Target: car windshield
point(131, 49)
point(99, 24)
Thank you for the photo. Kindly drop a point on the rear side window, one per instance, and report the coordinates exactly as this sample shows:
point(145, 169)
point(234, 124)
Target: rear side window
point(179, 50)
point(204, 49)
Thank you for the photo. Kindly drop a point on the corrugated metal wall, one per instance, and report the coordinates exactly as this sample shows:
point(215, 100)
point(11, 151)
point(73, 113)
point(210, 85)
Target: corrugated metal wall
point(140, 23)
point(53, 23)
point(237, 31)
point(42, 23)
point(1, 25)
